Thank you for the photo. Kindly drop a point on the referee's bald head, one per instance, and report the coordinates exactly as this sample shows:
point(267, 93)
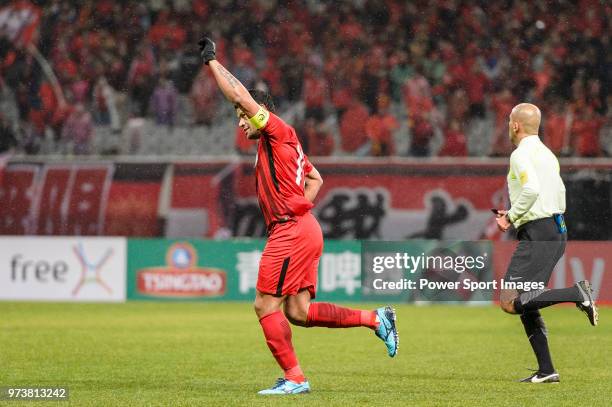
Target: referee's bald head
point(527, 116)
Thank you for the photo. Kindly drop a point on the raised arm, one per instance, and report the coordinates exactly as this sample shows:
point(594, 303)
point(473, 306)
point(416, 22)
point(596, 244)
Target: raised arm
point(312, 184)
point(232, 89)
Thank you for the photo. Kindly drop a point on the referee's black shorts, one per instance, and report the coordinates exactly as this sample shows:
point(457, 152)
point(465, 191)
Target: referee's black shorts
point(540, 247)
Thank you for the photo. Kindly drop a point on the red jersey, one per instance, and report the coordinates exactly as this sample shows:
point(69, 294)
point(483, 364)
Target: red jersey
point(280, 170)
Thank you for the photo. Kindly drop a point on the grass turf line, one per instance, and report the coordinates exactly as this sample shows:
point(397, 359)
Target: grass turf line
point(214, 354)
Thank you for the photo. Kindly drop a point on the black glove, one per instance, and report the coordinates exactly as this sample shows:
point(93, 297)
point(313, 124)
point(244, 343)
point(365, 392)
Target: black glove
point(207, 49)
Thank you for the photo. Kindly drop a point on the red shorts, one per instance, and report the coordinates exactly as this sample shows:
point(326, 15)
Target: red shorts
point(290, 260)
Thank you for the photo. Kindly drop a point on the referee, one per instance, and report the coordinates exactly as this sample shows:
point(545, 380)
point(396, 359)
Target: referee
point(537, 195)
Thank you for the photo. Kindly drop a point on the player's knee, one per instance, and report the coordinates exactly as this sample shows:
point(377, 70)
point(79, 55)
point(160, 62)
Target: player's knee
point(257, 307)
point(506, 301)
point(295, 320)
point(507, 306)
point(297, 315)
point(261, 307)
point(266, 304)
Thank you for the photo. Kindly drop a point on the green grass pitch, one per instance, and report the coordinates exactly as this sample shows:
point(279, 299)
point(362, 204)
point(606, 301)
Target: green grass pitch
point(214, 354)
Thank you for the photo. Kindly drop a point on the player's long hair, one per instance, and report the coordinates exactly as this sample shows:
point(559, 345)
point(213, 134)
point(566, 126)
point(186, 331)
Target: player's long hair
point(263, 98)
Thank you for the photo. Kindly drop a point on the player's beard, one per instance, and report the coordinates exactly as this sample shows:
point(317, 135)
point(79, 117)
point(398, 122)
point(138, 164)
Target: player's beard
point(254, 136)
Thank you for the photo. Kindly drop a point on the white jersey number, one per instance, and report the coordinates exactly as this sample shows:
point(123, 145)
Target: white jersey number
point(300, 165)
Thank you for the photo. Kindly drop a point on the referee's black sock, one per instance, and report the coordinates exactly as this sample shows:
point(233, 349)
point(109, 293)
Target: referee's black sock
point(536, 333)
point(534, 300)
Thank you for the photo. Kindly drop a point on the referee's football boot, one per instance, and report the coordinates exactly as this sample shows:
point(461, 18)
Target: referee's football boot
point(538, 377)
point(286, 387)
point(387, 331)
point(588, 304)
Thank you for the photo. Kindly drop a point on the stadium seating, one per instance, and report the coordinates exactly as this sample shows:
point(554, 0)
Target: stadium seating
point(458, 78)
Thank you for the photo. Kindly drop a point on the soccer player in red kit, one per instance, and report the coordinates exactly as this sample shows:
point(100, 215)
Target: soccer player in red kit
point(287, 184)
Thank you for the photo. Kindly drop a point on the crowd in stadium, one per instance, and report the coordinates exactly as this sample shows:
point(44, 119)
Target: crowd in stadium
point(372, 77)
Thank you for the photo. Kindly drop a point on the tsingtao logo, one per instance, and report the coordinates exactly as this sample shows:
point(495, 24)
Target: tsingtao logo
point(181, 276)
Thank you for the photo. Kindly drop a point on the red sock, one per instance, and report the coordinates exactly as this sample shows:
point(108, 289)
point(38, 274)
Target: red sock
point(278, 337)
point(333, 316)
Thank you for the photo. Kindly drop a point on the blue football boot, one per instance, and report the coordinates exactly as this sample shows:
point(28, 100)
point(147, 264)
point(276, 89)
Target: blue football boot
point(387, 331)
point(284, 386)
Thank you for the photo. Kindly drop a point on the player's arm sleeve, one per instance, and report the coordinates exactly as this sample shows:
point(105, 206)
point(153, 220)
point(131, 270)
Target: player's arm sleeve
point(271, 126)
point(523, 170)
point(307, 165)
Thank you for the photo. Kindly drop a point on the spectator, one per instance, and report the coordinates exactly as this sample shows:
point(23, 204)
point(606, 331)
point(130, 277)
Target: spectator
point(317, 140)
point(400, 73)
point(417, 94)
point(60, 115)
point(556, 135)
point(543, 78)
point(493, 62)
point(8, 112)
point(503, 102)
point(244, 63)
point(79, 89)
point(585, 131)
point(48, 101)
point(380, 127)
point(475, 84)
point(314, 95)
point(79, 130)
point(205, 98)
point(7, 135)
point(166, 29)
point(164, 102)
point(272, 75)
point(104, 106)
point(373, 78)
point(454, 141)
point(133, 134)
point(457, 106)
point(141, 77)
point(353, 133)
point(341, 97)
point(435, 68)
point(422, 133)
